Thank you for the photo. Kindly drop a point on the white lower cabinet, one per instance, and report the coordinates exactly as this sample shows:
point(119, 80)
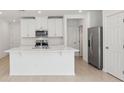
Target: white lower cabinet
point(114, 45)
point(55, 27)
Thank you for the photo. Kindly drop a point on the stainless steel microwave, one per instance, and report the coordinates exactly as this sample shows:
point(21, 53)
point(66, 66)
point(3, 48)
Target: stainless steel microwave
point(42, 33)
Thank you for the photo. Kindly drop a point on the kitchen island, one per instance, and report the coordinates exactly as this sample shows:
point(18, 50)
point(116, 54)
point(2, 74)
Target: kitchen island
point(51, 61)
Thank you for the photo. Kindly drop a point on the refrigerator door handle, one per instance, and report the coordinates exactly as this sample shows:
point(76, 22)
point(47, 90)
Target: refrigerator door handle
point(90, 43)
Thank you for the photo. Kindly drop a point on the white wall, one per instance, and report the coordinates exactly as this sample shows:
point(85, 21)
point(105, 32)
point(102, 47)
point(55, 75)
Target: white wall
point(15, 38)
point(95, 18)
point(4, 38)
point(91, 19)
point(110, 12)
point(85, 38)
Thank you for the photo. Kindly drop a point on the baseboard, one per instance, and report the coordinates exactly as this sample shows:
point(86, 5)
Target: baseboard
point(85, 61)
point(104, 70)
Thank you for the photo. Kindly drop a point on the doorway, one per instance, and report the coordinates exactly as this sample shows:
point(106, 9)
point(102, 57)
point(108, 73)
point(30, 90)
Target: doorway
point(75, 35)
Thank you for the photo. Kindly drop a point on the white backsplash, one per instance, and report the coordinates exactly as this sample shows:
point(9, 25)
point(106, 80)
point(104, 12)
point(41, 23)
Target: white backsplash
point(53, 41)
point(28, 41)
point(56, 41)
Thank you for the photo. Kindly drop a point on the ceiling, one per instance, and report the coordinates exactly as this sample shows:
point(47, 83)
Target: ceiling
point(10, 15)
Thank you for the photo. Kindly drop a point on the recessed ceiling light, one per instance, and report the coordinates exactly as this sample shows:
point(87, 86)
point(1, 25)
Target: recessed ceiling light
point(1, 12)
point(14, 20)
point(39, 12)
point(80, 11)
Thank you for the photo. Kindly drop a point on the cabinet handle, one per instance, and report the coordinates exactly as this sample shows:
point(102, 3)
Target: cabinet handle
point(107, 47)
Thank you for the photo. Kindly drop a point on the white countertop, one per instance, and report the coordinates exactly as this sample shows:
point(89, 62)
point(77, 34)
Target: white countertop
point(50, 49)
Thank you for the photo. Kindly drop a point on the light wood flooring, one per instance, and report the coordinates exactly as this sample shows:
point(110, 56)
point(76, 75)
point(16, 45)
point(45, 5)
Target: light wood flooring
point(84, 73)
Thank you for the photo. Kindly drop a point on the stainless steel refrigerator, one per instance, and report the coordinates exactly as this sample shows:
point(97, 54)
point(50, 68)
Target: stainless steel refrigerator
point(95, 47)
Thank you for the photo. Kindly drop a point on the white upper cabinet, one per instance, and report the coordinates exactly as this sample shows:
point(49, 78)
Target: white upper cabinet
point(31, 29)
point(24, 28)
point(51, 27)
point(41, 23)
point(55, 27)
point(28, 28)
point(59, 27)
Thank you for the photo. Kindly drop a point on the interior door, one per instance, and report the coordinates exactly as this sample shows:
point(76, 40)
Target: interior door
point(114, 52)
point(73, 35)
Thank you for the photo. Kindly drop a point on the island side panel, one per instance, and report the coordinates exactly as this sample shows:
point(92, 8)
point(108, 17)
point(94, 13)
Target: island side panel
point(42, 63)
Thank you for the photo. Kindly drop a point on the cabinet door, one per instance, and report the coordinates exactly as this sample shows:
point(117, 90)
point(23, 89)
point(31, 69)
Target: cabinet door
point(59, 27)
point(38, 23)
point(28, 28)
point(51, 27)
point(44, 23)
point(31, 28)
point(114, 52)
point(41, 23)
point(24, 28)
